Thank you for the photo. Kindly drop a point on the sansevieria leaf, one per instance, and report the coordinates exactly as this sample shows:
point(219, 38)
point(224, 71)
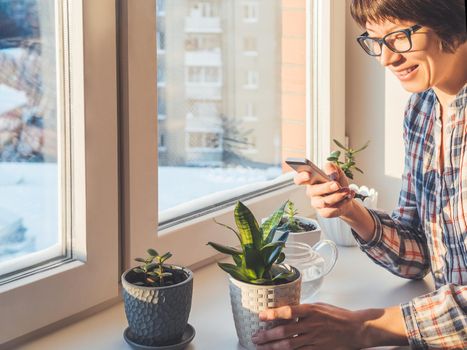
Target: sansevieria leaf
point(247, 225)
point(224, 249)
point(234, 271)
point(272, 222)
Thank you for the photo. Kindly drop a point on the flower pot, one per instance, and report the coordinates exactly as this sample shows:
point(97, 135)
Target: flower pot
point(337, 230)
point(248, 300)
point(157, 316)
point(310, 237)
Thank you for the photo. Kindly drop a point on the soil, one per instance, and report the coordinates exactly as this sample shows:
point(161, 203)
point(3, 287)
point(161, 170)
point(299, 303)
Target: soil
point(178, 276)
point(303, 226)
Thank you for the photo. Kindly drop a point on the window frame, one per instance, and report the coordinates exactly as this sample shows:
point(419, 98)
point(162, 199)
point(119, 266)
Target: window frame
point(95, 207)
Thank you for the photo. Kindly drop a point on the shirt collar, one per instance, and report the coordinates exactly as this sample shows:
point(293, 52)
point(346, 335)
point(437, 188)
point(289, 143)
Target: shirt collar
point(460, 101)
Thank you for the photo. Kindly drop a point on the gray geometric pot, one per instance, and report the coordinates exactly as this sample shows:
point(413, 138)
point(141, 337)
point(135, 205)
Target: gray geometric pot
point(248, 300)
point(157, 316)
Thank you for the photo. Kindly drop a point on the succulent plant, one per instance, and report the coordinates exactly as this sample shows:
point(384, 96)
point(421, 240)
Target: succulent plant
point(258, 261)
point(291, 224)
point(153, 271)
point(349, 158)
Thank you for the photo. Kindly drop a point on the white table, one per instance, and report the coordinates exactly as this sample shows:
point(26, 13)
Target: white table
point(356, 282)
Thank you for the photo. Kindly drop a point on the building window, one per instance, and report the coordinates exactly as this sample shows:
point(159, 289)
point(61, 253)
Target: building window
point(203, 9)
point(250, 11)
point(202, 42)
point(204, 75)
point(250, 111)
point(251, 79)
point(160, 5)
point(204, 141)
point(160, 42)
point(250, 46)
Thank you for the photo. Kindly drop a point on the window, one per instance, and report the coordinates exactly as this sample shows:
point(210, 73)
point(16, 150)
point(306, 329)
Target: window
point(204, 75)
point(160, 42)
point(204, 141)
point(202, 42)
point(250, 46)
point(250, 11)
point(251, 80)
point(32, 201)
point(57, 176)
point(250, 112)
point(203, 9)
point(161, 7)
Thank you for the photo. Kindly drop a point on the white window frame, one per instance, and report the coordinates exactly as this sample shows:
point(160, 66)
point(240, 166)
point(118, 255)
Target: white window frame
point(187, 238)
point(91, 278)
point(203, 73)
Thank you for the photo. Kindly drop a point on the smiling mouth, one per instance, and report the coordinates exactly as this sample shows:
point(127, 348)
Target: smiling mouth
point(404, 73)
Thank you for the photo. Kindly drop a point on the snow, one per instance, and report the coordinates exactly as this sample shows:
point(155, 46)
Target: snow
point(29, 192)
point(10, 98)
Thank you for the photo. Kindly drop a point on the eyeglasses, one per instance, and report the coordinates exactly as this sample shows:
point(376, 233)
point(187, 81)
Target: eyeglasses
point(399, 41)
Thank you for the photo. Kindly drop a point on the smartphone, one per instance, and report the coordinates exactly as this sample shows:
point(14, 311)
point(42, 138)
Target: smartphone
point(317, 175)
point(303, 164)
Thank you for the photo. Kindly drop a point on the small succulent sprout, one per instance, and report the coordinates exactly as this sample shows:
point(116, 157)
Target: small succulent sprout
point(291, 224)
point(259, 258)
point(349, 164)
point(153, 268)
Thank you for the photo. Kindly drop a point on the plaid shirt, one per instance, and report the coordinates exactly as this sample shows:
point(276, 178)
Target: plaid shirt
point(428, 230)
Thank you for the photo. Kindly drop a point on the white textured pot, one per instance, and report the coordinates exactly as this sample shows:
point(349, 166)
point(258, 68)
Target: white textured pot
point(248, 300)
point(336, 229)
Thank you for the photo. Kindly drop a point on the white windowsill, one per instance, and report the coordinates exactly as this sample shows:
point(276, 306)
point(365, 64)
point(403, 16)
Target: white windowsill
point(211, 314)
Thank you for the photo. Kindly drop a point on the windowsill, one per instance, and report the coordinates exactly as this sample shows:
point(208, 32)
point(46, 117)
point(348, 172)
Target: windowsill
point(211, 313)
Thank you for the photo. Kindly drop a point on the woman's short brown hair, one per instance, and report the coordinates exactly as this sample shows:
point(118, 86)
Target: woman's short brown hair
point(445, 17)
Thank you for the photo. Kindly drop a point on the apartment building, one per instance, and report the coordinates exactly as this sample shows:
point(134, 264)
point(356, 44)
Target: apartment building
point(218, 83)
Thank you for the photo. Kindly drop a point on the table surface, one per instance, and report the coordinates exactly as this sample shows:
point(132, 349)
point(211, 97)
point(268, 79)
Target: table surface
point(355, 283)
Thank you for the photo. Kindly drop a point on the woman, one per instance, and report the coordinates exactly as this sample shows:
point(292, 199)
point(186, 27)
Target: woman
point(423, 42)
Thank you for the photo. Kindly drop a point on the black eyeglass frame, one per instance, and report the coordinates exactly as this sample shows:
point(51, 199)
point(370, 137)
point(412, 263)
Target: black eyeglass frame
point(408, 32)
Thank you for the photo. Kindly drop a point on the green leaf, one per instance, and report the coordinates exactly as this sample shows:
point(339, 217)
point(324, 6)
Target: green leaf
point(254, 260)
point(359, 170)
point(332, 159)
point(152, 266)
point(234, 271)
point(283, 275)
point(281, 258)
point(140, 260)
point(166, 256)
point(138, 270)
point(224, 249)
point(339, 144)
point(335, 154)
point(272, 222)
point(247, 225)
point(230, 228)
point(269, 252)
point(261, 281)
point(152, 252)
point(363, 147)
point(166, 274)
point(239, 260)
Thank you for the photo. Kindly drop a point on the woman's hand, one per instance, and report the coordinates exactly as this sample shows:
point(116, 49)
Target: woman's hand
point(332, 198)
point(322, 326)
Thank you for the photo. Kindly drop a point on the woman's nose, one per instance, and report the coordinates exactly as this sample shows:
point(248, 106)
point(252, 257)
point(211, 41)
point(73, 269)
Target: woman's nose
point(388, 57)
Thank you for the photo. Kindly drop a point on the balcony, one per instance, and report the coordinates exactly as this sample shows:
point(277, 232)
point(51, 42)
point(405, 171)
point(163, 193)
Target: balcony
point(203, 91)
point(211, 124)
point(199, 24)
point(203, 58)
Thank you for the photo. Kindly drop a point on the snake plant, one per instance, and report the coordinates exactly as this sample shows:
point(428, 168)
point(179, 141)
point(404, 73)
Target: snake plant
point(258, 261)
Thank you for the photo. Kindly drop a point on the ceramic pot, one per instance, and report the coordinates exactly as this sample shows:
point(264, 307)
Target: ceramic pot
point(248, 300)
point(157, 316)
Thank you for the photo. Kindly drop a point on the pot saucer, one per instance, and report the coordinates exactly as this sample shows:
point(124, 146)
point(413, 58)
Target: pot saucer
point(187, 337)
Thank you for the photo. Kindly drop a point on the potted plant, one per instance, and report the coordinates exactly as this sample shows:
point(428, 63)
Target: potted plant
point(301, 229)
point(258, 278)
point(157, 298)
point(334, 228)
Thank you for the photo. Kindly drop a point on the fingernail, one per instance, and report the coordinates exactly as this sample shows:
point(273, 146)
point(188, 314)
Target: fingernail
point(334, 186)
point(351, 194)
point(333, 176)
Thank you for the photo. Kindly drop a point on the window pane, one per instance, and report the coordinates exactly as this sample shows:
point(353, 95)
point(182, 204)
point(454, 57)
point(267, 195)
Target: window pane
point(29, 160)
point(222, 122)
